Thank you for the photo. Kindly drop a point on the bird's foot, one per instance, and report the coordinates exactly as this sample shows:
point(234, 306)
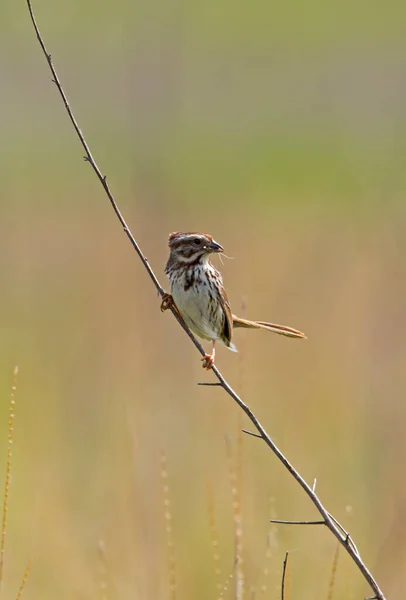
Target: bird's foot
point(167, 302)
point(208, 361)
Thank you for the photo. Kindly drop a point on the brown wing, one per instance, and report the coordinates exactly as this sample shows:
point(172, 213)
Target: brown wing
point(228, 317)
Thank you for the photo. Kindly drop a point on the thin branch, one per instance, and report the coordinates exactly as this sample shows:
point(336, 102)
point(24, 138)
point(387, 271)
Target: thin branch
point(329, 521)
point(345, 532)
point(252, 433)
point(348, 538)
point(285, 564)
point(281, 522)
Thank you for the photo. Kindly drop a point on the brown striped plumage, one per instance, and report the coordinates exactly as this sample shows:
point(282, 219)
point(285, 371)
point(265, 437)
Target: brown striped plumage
point(198, 293)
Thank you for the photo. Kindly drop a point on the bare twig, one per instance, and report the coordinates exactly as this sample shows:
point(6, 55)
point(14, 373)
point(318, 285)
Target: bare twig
point(252, 433)
point(285, 564)
point(348, 538)
point(281, 522)
point(327, 519)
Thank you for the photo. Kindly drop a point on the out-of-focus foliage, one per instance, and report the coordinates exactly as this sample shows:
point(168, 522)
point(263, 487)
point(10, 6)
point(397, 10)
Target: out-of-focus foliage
point(280, 129)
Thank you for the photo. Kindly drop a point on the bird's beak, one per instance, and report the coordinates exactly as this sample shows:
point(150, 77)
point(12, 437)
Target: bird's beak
point(215, 247)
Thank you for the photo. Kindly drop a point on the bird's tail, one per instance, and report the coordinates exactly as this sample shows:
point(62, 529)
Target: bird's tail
point(281, 329)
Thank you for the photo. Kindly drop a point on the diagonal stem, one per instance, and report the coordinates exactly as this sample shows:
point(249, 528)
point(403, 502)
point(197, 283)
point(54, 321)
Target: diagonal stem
point(330, 522)
point(284, 568)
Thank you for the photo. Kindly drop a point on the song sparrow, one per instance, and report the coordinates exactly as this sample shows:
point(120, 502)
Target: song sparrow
point(199, 296)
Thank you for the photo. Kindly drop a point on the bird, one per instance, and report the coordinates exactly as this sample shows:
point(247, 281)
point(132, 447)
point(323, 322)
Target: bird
point(198, 294)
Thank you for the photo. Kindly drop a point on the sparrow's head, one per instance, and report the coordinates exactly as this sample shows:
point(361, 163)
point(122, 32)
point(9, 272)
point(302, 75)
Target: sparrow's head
point(192, 247)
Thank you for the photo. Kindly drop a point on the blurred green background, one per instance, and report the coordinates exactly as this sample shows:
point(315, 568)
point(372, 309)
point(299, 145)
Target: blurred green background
point(281, 130)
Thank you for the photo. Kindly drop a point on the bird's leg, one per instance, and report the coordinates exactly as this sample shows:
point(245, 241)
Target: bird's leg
point(208, 359)
point(167, 301)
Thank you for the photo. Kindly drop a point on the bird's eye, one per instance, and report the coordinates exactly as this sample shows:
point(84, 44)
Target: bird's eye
point(197, 241)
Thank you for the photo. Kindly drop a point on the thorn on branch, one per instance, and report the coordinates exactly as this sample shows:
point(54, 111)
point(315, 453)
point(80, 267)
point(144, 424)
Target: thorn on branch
point(104, 178)
point(256, 435)
point(49, 57)
point(86, 159)
point(210, 383)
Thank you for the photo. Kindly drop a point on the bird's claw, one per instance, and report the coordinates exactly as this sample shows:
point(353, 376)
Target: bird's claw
point(208, 361)
point(167, 302)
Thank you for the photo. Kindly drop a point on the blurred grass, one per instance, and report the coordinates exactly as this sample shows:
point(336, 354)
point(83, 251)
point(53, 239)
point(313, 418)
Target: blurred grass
point(281, 131)
point(304, 100)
